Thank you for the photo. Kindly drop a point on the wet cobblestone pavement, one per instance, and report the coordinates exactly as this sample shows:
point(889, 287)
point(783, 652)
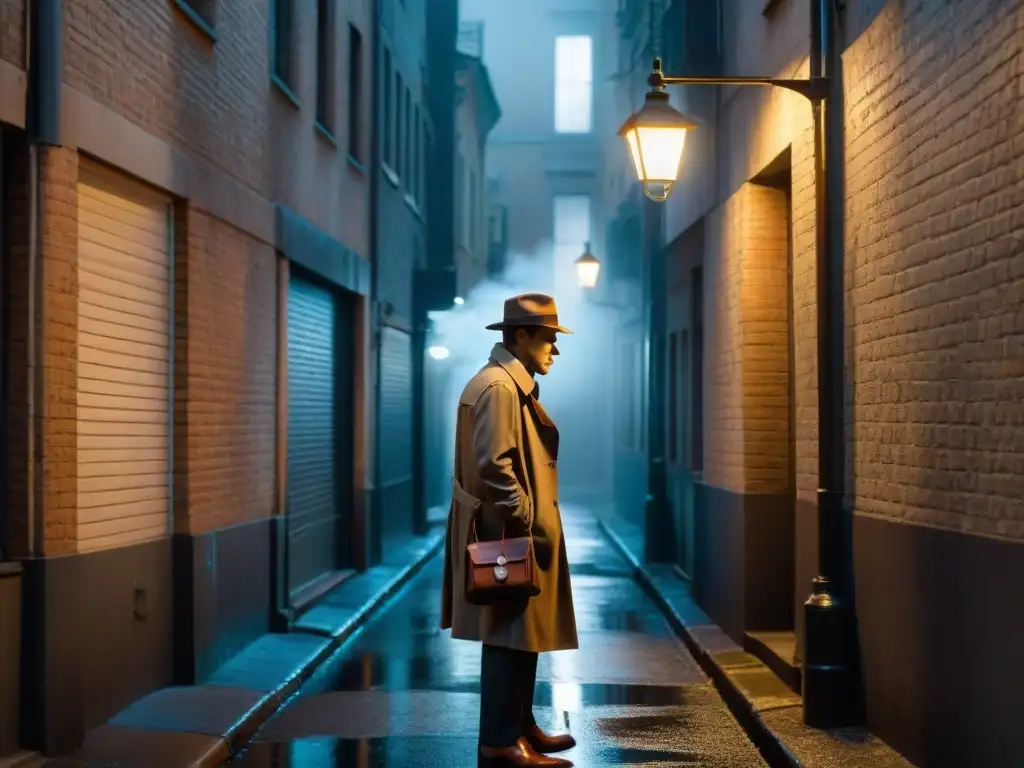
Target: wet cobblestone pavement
point(403, 693)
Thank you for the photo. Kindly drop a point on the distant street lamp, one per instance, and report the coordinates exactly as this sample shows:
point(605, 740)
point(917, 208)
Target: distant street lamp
point(655, 136)
point(438, 352)
point(587, 268)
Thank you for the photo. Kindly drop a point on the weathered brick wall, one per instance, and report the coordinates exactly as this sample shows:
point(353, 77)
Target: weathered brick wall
point(935, 264)
point(747, 343)
point(59, 336)
point(215, 100)
point(12, 31)
point(764, 265)
point(144, 61)
point(225, 374)
point(723, 369)
point(309, 172)
point(752, 127)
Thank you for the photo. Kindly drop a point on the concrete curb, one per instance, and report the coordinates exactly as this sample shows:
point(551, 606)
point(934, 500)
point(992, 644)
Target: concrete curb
point(771, 746)
point(242, 731)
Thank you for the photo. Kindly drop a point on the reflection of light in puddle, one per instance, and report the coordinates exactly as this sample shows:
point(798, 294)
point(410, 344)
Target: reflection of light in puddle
point(566, 697)
point(566, 693)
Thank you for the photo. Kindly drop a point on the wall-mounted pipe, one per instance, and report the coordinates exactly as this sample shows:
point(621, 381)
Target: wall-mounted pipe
point(43, 122)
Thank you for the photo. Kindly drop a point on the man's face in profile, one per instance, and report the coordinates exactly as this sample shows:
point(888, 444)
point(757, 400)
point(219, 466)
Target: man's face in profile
point(537, 351)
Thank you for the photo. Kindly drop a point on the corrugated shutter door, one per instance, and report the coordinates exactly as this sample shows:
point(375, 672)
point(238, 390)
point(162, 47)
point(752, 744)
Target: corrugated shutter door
point(124, 360)
point(312, 473)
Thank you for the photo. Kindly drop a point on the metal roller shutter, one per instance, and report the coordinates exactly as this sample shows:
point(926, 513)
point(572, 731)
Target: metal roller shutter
point(395, 435)
point(312, 441)
point(124, 360)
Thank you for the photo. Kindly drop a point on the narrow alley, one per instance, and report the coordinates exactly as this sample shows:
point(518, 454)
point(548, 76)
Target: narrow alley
point(403, 693)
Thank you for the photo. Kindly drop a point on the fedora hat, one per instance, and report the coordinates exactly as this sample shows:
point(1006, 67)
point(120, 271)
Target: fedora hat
point(529, 310)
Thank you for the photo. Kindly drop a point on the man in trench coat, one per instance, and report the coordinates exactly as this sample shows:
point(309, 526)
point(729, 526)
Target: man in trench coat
point(506, 452)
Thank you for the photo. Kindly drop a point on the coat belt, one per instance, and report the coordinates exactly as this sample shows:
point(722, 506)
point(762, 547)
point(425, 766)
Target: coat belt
point(464, 498)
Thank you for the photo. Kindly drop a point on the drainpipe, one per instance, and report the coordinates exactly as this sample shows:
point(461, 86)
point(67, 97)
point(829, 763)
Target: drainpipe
point(371, 524)
point(43, 121)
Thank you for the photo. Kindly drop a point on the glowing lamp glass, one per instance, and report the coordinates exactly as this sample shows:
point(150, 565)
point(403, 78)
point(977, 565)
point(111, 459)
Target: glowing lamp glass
point(655, 137)
point(438, 352)
point(587, 270)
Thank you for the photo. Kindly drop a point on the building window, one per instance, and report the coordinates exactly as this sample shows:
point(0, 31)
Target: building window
point(460, 198)
point(572, 232)
point(573, 84)
point(407, 130)
point(473, 212)
point(283, 14)
point(399, 123)
point(697, 370)
point(428, 159)
point(417, 160)
point(324, 64)
point(355, 93)
point(672, 423)
point(389, 149)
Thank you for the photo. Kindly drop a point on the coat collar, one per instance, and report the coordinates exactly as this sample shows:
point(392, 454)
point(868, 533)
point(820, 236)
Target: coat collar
point(515, 369)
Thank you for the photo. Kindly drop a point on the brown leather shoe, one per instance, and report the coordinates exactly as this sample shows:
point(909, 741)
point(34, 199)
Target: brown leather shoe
point(520, 754)
point(546, 743)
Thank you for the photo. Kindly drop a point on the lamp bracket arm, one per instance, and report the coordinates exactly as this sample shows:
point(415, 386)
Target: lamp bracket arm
point(813, 89)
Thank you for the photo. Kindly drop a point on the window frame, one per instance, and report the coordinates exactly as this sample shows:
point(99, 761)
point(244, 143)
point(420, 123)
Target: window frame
point(399, 166)
point(388, 148)
point(355, 93)
point(325, 66)
point(282, 54)
point(567, 91)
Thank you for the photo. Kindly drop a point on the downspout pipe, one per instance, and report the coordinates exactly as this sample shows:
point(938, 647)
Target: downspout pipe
point(831, 685)
point(371, 525)
point(43, 122)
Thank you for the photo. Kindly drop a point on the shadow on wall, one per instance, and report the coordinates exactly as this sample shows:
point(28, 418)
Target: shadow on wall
point(577, 390)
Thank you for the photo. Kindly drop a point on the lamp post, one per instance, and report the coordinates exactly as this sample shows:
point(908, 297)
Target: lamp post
point(655, 136)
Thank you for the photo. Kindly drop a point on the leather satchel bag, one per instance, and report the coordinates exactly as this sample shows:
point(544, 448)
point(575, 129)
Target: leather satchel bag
point(498, 571)
point(501, 570)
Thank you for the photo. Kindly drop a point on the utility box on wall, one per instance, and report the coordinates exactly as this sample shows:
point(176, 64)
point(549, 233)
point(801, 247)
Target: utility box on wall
point(10, 658)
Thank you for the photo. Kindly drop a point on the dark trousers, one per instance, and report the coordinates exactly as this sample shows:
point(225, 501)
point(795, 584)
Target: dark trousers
point(507, 679)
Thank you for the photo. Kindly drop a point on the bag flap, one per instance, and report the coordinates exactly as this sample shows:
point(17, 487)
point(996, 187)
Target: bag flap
point(486, 552)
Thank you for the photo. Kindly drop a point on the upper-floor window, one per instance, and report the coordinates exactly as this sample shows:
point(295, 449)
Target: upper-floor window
point(325, 64)
point(574, 83)
point(417, 158)
point(407, 129)
point(283, 14)
point(389, 147)
point(400, 119)
point(355, 93)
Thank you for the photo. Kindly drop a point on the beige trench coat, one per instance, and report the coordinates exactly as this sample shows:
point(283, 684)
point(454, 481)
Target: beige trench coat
point(506, 449)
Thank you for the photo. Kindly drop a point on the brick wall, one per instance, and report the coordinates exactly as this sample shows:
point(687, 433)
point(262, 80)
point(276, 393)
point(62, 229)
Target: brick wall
point(764, 264)
point(225, 374)
point(723, 369)
point(747, 344)
point(59, 312)
point(144, 61)
point(935, 267)
point(12, 31)
point(215, 100)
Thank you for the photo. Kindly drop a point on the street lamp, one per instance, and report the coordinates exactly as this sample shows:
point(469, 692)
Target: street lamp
point(587, 268)
point(655, 136)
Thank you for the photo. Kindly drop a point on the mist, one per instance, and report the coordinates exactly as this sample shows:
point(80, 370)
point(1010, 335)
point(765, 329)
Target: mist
point(576, 393)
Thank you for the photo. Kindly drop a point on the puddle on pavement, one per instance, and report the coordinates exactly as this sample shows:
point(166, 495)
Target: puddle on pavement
point(376, 672)
point(431, 752)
